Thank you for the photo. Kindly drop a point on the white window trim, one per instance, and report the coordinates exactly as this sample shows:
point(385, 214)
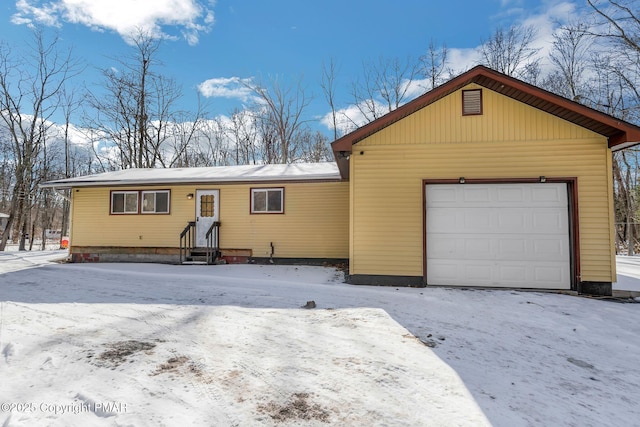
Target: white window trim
point(125, 212)
point(267, 190)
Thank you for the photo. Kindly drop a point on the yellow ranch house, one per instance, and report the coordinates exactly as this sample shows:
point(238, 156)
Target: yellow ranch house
point(484, 181)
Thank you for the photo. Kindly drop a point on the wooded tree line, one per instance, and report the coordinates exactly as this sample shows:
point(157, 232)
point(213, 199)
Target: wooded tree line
point(134, 121)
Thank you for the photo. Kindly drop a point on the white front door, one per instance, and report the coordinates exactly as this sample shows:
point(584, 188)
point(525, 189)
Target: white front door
point(207, 212)
point(513, 235)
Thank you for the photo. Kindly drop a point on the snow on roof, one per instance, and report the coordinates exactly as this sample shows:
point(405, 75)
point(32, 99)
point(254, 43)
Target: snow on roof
point(3, 215)
point(216, 174)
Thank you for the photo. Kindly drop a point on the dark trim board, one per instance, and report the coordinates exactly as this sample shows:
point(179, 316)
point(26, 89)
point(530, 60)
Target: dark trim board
point(385, 280)
point(586, 288)
point(300, 261)
point(604, 289)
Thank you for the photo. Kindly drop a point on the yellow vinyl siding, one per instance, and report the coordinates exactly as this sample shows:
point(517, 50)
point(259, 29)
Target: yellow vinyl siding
point(314, 224)
point(510, 140)
point(503, 119)
point(92, 224)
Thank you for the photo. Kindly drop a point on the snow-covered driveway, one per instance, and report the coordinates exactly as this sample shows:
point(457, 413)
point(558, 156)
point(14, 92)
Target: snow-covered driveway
point(229, 345)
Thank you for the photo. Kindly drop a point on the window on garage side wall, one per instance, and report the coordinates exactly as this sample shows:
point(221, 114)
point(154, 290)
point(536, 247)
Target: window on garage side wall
point(267, 200)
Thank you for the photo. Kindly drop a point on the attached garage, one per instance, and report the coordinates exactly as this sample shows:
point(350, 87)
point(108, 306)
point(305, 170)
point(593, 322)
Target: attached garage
point(498, 235)
point(484, 181)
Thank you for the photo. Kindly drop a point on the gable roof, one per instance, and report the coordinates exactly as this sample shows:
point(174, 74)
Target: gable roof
point(619, 133)
point(326, 171)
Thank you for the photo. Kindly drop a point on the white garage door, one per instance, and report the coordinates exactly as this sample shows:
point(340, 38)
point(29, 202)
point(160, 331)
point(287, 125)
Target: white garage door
point(498, 235)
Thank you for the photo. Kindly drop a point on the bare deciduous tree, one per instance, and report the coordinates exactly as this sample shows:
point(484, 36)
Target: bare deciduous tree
point(214, 143)
point(328, 85)
point(242, 130)
point(620, 22)
point(30, 90)
point(617, 91)
point(385, 85)
point(315, 147)
point(280, 108)
point(570, 57)
point(70, 103)
point(434, 64)
point(510, 51)
point(138, 110)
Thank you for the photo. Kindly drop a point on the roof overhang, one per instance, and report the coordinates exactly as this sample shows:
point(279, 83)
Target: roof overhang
point(243, 174)
point(620, 134)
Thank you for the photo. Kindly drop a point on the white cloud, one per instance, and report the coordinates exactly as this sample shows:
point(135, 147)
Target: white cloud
point(462, 59)
point(28, 14)
point(350, 118)
point(510, 3)
point(546, 22)
point(125, 17)
point(226, 87)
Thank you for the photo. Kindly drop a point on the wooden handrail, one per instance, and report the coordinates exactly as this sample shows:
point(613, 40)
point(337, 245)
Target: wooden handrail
point(187, 240)
point(213, 242)
point(188, 228)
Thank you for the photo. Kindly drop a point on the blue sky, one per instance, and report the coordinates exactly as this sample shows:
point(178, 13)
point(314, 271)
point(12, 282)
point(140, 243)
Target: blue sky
point(219, 41)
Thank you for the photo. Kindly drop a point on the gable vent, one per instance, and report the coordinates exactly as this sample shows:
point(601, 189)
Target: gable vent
point(471, 102)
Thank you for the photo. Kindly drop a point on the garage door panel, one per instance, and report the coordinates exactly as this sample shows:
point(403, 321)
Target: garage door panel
point(548, 273)
point(442, 195)
point(441, 220)
point(551, 247)
point(511, 220)
point(478, 270)
point(478, 246)
point(498, 235)
point(447, 272)
point(516, 247)
point(476, 195)
point(495, 220)
point(511, 274)
point(548, 221)
point(477, 220)
point(443, 247)
point(515, 274)
point(498, 195)
point(487, 246)
point(549, 194)
point(507, 194)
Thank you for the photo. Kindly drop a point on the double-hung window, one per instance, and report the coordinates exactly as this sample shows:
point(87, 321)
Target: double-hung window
point(267, 200)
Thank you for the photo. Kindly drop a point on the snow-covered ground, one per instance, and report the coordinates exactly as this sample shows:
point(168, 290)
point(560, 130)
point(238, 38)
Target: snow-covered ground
point(628, 269)
point(133, 344)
